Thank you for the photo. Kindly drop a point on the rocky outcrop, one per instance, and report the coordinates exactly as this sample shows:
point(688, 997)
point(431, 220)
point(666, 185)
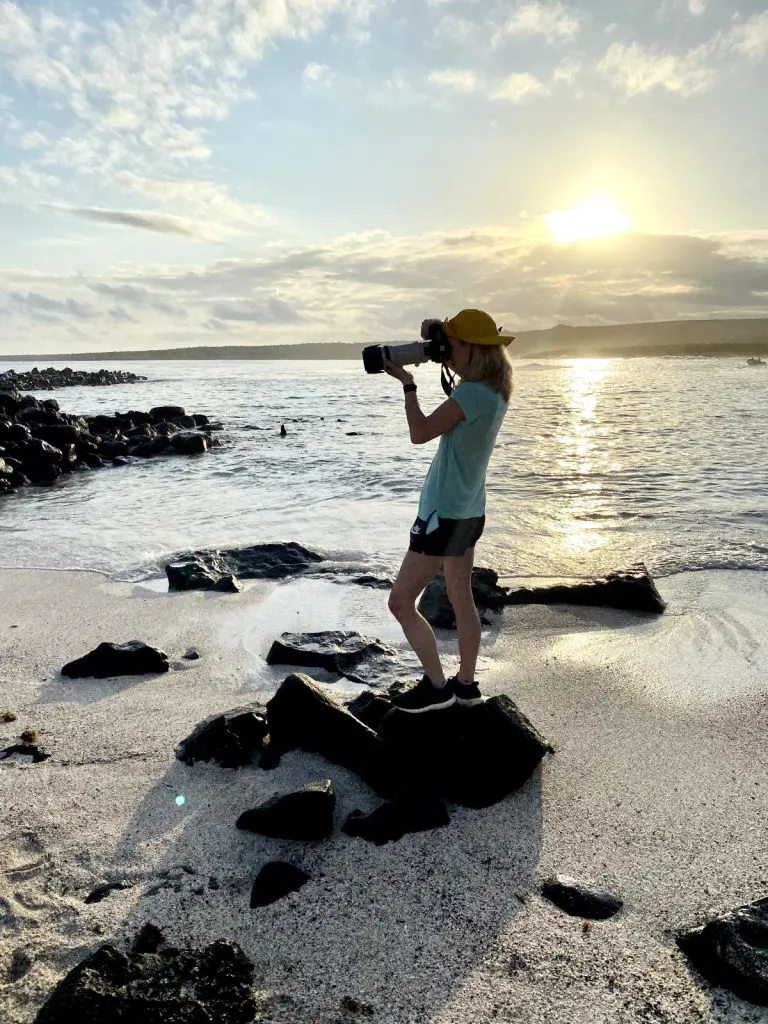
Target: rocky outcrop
point(306, 813)
point(732, 951)
point(232, 739)
point(169, 985)
point(134, 658)
point(39, 443)
point(473, 756)
point(633, 590)
point(274, 881)
point(580, 900)
point(302, 715)
point(51, 379)
point(204, 570)
point(338, 652)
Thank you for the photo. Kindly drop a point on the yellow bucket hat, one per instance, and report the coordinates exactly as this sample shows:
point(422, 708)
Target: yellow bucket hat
point(476, 327)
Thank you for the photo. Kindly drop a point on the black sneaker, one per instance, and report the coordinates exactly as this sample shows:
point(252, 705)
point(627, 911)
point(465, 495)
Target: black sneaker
point(467, 694)
point(425, 697)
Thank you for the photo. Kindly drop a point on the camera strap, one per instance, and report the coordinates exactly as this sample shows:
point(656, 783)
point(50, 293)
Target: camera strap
point(447, 380)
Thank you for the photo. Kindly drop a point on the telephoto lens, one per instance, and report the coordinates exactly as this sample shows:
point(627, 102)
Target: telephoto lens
point(435, 350)
point(411, 353)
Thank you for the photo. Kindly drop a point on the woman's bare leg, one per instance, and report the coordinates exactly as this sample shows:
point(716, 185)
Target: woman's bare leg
point(458, 582)
point(415, 573)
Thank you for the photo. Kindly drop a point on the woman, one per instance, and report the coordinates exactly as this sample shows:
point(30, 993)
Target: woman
point(451, 512)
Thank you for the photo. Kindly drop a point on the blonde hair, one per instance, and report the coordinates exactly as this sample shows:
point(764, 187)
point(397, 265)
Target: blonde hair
point(491, 363)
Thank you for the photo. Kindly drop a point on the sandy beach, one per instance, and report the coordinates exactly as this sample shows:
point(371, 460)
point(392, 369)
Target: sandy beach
point(657, 791)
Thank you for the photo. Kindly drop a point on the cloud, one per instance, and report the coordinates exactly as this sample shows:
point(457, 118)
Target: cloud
point(378, 286)
point(135, 90)
point(135, 296)
point(26, 185)
point(516, 88)
point(696, 6)
point(44, 304)
point(454, 78)
point(203, 200)
point(160, 223)
point(634, 69)
point(553, 21)
point(750, 39)
point(317, 76)
point(512, 89)
point(273, 311)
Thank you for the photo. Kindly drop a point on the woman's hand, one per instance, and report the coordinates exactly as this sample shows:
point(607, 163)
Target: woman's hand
point(398, 372)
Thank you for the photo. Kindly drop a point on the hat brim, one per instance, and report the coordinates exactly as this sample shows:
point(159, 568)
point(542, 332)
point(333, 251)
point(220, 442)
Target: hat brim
point(502, 338)
point(494, 339)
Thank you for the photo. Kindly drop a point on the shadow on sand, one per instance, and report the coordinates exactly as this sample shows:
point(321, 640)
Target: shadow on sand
point(397, 929)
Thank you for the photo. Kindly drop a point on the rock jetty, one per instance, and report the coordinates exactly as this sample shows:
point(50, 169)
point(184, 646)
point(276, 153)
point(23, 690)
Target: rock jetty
point(50, 379)
point(39, 442)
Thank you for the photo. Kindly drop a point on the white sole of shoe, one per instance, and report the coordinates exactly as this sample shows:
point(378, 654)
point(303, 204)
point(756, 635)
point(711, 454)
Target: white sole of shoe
point(430, 707)
point(469, 702)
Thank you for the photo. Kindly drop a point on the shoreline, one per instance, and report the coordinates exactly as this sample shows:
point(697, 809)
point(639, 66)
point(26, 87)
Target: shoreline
point(656, 791)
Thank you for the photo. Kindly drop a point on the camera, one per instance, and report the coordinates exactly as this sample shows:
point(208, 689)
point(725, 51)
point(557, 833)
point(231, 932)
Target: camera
point(435, 349)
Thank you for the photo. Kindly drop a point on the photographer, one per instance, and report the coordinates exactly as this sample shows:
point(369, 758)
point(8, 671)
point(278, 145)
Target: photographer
point(451, 513)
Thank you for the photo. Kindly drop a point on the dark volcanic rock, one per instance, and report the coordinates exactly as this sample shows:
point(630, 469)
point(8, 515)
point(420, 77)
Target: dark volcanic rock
point(9, 401)
point(190, 442)
point(302, 715)
point(148, 940)
point(57, 434)
point(276, 880)
point(307, 813)
point(172, 986)
point(36, 451)
point(580, 900)
point(132, 659)
point(472, 755)
point(102, 891)
point(32, 750)
point(47, 380)
point(732, 951)
point(334, 651)
point(369, 708)
point(437, 609)
point(633, 590)
point(391, 821)
point(112, 449)
point(201, 570)
point(166, 412)
point(232, 739)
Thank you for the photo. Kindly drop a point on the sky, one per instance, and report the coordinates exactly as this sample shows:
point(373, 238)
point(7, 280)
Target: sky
point(223, 172)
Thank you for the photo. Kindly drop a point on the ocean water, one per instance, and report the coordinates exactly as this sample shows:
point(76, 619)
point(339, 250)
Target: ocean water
point(600, 463)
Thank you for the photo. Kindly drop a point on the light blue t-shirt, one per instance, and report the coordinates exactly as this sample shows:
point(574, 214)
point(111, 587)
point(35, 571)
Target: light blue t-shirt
point(455, 484)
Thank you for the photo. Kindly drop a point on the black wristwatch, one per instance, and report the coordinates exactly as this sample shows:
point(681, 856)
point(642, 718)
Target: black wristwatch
point(407, 388)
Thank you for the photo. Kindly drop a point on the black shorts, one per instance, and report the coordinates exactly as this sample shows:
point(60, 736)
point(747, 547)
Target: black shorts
point(452, 537)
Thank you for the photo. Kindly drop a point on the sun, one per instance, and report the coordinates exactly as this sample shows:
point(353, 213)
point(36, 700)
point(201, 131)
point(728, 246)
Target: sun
point(598, 217)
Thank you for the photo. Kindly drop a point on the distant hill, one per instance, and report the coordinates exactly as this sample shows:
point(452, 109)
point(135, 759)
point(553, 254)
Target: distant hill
point(667, 338)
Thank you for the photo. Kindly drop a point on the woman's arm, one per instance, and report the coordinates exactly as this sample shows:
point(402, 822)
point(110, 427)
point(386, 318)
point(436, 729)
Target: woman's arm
point(425, 428)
